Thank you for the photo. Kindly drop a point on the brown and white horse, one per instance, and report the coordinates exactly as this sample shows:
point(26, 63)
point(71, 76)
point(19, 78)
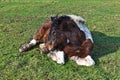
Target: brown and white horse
point(64, 35)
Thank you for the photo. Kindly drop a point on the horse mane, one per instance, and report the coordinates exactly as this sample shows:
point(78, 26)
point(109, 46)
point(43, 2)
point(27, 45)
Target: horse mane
point(64, 23)
point(70, 29)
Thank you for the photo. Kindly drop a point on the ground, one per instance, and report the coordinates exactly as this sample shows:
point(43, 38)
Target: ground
point(19, 20)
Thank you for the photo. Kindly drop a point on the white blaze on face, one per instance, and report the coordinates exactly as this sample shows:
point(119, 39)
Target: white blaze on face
point(82, 26)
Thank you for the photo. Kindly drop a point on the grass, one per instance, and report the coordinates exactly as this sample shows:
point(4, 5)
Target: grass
point(20, 19)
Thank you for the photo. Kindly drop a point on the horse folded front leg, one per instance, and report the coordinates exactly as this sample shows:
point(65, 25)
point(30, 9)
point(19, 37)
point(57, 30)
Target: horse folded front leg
point(60, 57)
point(87, 61)
point(85, 58)
point(28, 46)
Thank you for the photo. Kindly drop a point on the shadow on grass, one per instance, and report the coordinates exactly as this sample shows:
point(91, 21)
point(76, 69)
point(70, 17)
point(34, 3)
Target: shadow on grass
point(104, 45)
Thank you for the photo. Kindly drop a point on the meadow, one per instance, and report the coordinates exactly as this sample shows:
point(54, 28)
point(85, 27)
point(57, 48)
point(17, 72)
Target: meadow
point(20, 19)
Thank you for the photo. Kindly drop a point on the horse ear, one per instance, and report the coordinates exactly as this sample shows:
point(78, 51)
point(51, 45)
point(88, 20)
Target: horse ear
point(52, 18)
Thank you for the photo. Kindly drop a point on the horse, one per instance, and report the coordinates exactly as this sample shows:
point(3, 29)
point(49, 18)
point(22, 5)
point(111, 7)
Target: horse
point(77, 50)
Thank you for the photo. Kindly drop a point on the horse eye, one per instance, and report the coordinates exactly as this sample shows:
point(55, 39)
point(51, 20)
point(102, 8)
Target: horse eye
point(54, 33)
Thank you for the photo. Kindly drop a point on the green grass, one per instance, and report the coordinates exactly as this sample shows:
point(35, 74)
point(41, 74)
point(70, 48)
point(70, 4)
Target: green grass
point(19, 19)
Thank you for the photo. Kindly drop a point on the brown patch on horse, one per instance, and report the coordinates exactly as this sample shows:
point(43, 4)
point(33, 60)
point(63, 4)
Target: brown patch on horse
point(86, 48)
point(80, 51)
point(42, 32)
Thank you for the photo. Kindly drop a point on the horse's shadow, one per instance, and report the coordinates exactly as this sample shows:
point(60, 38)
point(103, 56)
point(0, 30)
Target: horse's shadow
point(104, 45)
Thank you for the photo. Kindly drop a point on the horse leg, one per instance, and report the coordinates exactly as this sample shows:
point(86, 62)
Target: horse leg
point(85, 58)
point(28, 46)
point(38, 37)
point(87, 61)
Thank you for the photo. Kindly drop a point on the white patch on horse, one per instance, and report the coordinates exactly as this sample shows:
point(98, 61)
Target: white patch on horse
point(42, 45)
point(82, 26)
point(85, 30)
point(87, 61)
point(74, 58)
point(52, 55)
point(57, 56)
point(20, 50)
point(60, 57)
point(76, 18)
point(68, 40)
point(33, 41)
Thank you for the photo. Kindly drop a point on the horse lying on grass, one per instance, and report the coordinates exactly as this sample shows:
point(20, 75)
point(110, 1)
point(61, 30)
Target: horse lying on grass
point(64, 35)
